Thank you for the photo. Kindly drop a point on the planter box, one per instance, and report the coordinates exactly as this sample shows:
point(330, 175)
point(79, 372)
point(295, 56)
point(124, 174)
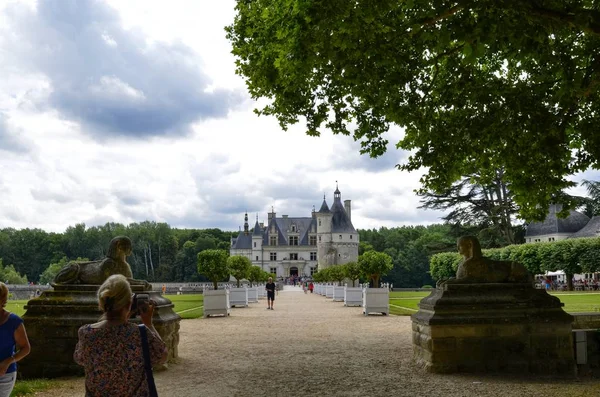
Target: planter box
point(376, 300)
point(238, 297)
point(329, 291)
point(338, 293)
point(262, 292)
point(216, 302)
point(353, 296)
point(253, 295)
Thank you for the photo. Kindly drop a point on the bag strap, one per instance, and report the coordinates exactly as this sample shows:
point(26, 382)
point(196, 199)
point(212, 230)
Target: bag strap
point(147, 363)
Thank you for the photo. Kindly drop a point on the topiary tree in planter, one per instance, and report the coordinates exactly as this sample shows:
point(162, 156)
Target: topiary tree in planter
point(255, 275)
point(212, 263)
point(375, 264)
point(337, 273)
point(239, 267)
point(352, 271)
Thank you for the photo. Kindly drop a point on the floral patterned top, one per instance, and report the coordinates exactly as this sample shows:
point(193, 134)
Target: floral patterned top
point(114, 361)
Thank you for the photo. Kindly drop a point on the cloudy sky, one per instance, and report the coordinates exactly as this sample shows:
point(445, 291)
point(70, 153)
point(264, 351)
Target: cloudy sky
point(124, 111)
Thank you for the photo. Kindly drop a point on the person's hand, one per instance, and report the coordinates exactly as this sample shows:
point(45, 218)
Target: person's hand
point(4, 365)
point(147, 311)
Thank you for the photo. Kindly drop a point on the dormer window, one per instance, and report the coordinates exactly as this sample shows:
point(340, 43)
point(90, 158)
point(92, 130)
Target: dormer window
point(293, 228)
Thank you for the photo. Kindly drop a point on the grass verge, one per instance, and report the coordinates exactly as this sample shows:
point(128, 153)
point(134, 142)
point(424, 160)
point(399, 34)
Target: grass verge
point(31, 386)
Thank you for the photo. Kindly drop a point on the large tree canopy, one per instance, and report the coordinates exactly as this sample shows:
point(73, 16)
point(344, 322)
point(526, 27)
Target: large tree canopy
point(477, 85)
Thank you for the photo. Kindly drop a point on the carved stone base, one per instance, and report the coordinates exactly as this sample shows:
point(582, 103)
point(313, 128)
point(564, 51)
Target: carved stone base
point(53, 319)
point(511, 328)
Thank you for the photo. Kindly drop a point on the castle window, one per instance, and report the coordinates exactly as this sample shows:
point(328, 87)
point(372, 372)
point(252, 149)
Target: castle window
point(313, 256)
point(293, 228)
point(319, 222)
point(255, 244)
point(312, 240)
point(273, 270)
point(273, 240)
point(273, 256)
point(340, 236)
point(350, 237)
point(293, 240)
point(294, 256)
point(257, 257)
point(319, 238)
point(313, 270)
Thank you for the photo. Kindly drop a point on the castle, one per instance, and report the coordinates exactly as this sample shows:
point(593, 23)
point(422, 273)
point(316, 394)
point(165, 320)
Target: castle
point(300, 246)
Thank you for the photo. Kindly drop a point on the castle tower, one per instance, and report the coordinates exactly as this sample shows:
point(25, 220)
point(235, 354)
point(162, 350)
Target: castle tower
point(325, 256)
point(257, 240)
point(344, 236)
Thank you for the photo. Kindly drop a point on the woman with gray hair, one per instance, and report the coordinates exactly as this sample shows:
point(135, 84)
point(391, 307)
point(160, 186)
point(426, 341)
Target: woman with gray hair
point(14, 344)
point(111, 350)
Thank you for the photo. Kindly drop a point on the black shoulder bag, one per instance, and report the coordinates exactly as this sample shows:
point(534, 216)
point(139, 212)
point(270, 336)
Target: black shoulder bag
point(147, 363)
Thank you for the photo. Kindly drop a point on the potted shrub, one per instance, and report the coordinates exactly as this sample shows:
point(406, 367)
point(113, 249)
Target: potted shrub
point(254, 276)
point(212, 263)
point(352, 295)
point(239, 267)
point(337, 274)
point(373, 265)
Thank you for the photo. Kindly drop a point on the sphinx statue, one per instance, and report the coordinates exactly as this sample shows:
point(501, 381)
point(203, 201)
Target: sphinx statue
point(477, 269)
point(96, 272)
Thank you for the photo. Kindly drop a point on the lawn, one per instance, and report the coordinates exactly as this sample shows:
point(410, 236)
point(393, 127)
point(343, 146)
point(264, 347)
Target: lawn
point(402, 302)
point(188, 306)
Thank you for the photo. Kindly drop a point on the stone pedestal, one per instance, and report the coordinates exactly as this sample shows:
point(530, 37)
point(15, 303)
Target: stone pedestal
point(511, 328)
point(53, 319)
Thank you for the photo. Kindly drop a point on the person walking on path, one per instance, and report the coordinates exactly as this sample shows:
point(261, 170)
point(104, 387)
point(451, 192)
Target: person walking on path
point(270, 287)
point(14, 344)
point(311, 286)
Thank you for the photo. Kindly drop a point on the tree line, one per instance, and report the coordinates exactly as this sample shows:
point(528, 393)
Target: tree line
point(573, 256)
point(160, 252)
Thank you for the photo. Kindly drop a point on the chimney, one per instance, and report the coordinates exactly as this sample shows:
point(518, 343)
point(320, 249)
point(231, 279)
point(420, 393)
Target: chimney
point(269, 216)
point(348, 209)
point(262, 225)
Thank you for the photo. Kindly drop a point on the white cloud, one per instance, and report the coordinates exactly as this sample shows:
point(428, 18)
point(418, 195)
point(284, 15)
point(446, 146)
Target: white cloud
point(103, 140)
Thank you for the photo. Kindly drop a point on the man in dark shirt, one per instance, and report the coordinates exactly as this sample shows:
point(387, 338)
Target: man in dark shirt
point(270, 287)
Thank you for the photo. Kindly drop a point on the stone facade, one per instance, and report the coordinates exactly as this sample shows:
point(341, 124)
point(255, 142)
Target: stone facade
point(299, 246)
point(512, 328)
point(53, 319)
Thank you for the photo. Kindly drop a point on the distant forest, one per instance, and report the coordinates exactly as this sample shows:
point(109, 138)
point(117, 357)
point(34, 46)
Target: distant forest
point(163, 253)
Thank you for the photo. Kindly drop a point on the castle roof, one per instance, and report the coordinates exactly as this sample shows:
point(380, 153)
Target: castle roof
point(243, 241)
point(324, 207)
point(257, 229)
point(573, 223)
point(592, 229)
point(340, 221)
point(283, 227)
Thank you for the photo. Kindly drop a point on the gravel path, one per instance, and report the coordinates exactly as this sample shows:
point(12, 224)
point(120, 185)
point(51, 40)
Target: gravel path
point(310, 346)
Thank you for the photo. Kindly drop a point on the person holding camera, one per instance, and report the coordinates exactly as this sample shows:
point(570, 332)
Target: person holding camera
point(111, 350)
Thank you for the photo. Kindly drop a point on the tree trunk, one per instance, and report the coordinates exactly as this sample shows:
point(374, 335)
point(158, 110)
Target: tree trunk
point(375, 280)
point(151, 264)
point(146, 261)
point(216, 285)
point(238, 282)
point(569, 281)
